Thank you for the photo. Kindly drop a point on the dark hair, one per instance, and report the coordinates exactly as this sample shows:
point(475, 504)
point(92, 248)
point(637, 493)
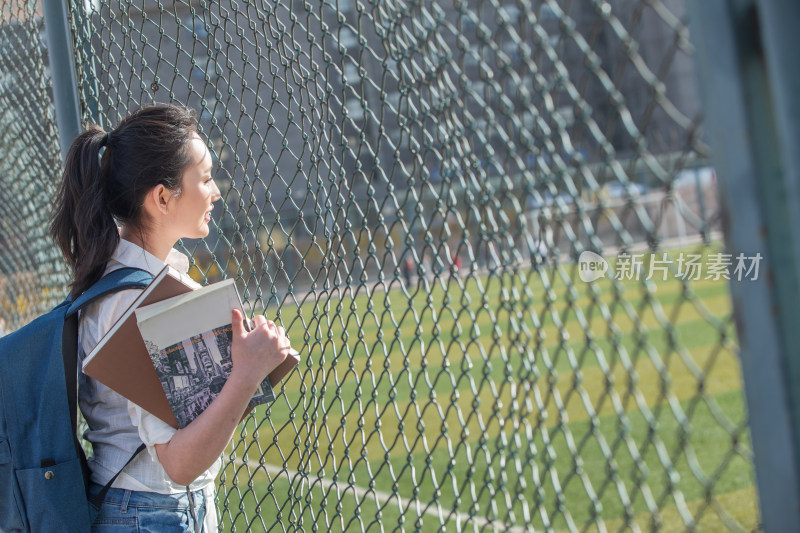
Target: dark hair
point(148, 147)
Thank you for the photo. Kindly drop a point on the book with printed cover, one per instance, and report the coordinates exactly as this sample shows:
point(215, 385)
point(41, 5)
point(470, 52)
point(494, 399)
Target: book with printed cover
point(122, 362)
point(188, 338)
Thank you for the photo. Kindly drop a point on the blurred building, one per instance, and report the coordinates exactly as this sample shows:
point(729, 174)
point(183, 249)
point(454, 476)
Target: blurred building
point(307, 101)
point(340, 113)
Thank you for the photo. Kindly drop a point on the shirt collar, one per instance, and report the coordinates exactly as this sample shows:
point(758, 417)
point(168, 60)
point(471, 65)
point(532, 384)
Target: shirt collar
point(133, 255)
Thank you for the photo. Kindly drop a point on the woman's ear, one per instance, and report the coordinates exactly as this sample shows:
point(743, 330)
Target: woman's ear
point(155, 201)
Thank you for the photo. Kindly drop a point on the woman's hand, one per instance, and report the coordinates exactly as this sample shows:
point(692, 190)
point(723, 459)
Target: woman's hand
point(194, 448)
point(258, 352)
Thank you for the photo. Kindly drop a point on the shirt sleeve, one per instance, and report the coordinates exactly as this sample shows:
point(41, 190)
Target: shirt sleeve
point(152, 430)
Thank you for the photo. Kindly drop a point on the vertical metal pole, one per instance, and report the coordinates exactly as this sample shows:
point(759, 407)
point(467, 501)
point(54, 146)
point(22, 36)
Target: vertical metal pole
point(781, 41)
point(62, 70)
point(761, 208)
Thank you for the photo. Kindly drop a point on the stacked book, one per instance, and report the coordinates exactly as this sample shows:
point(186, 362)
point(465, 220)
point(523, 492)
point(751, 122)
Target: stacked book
point(170, 352)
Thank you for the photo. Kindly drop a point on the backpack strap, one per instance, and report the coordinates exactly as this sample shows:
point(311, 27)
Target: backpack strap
point(118, 280)
point(97, 501)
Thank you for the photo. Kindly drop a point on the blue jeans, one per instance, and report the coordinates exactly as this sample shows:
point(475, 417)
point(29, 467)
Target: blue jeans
point(131, 511)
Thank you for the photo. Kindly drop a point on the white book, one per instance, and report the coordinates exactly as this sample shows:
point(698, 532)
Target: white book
point(188, 338)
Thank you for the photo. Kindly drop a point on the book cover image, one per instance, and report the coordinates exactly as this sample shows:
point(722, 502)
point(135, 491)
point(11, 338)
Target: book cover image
point(193, 371)
point(191, 356)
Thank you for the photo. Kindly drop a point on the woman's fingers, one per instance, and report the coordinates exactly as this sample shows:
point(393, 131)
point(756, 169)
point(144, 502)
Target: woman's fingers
point(260, 321)
point(237, 323)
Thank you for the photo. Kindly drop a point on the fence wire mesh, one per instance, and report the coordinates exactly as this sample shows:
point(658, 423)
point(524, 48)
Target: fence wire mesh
point(409, 187)
point(29, 266)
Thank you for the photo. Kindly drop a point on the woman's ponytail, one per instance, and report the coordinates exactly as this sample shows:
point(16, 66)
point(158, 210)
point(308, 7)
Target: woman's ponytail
point(82, 224)
point(149, 147)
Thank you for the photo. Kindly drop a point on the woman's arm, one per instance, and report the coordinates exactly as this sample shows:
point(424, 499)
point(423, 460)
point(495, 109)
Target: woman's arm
point(193, 449)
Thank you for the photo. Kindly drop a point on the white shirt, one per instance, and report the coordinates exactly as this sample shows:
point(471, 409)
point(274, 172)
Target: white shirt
point(117, 426)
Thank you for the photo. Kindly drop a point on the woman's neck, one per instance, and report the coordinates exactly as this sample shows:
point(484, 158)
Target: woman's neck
point(159, 248)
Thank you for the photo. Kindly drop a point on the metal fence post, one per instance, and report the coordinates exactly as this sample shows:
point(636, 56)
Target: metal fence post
point(62, 70)
point(748, 83)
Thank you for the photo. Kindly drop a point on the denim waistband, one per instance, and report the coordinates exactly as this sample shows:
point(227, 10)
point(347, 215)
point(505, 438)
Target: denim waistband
point(136, 498)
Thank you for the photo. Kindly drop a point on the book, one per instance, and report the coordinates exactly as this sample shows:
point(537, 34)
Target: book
point(122, 362)
point(188, 338)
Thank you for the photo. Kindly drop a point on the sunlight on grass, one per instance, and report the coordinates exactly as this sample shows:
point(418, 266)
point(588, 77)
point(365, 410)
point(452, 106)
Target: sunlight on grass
point(529, 398)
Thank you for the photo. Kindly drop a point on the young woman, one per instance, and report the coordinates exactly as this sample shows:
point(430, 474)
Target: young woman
point(126, 197)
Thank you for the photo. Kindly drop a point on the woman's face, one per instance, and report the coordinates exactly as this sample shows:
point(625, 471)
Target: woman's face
point(191, 210)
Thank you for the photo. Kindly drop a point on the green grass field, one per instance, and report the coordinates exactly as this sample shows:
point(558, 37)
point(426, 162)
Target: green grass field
point(527, 400)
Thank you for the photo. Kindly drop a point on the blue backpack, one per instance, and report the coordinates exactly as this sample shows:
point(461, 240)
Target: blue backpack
point(43, 470)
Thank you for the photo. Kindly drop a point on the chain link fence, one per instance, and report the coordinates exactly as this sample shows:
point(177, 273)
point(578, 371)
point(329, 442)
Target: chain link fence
point(411, 188)
point(31, 271)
